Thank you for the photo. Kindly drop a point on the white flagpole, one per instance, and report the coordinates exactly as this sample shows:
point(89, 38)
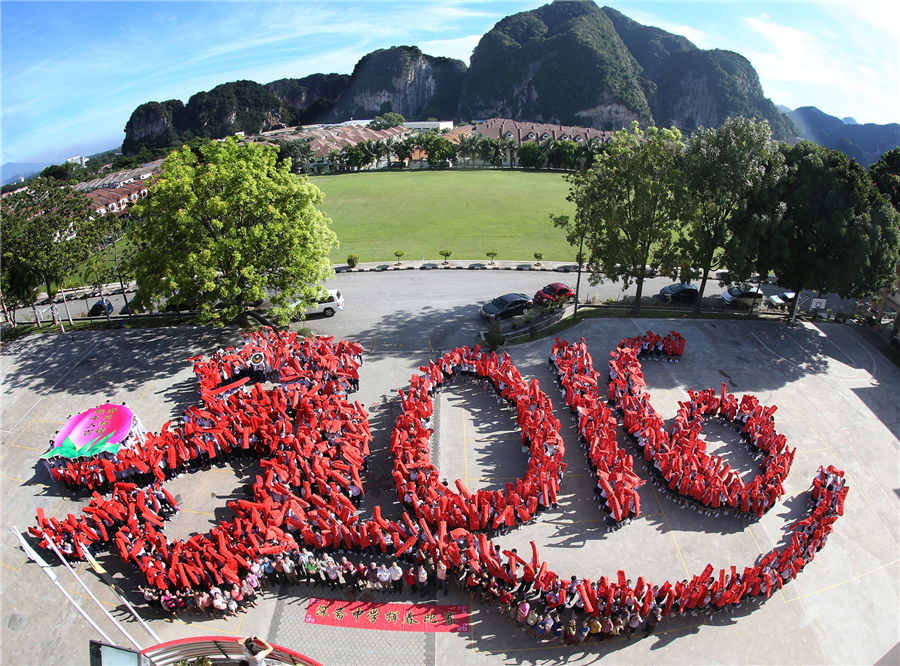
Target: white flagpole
point(52, 576)
point(98, 568)
point(91, 594)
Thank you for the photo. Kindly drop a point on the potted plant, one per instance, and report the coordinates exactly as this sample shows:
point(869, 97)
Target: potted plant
point(494, 336)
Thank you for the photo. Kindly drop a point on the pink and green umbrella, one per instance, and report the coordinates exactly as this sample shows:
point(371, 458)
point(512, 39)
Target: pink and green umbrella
point(92, 432)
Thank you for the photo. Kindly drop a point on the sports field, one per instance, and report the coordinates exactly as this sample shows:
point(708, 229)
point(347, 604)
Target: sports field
point(469, 212)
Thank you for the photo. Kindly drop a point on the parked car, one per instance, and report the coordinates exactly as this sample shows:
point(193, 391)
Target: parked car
point(679, 293)
point(783, 301)
point(555, 291)
point(742, 297)
point(181, 306)
point(102, 306)
point(137, 307)
point(327, 304)
point(508, 305)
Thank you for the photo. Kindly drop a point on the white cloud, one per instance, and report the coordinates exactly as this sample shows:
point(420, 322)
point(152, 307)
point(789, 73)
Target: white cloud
point(460, 48)
point(793, 55)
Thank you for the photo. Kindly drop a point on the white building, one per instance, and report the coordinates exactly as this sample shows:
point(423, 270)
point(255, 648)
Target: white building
point(438, 125)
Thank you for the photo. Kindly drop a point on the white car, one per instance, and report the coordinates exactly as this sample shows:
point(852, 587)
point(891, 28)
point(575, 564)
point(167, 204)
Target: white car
point(783, 301)
point(742, 297)
point(327, 304)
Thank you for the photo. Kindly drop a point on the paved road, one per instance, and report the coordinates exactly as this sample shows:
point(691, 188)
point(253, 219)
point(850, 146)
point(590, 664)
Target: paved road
point(433, 309)
point(439, 309)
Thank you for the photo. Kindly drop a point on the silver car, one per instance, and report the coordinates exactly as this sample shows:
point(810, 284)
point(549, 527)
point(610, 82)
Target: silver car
point(742, 297)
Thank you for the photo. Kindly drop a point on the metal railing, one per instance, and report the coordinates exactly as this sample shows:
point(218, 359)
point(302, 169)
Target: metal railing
point(218, 649)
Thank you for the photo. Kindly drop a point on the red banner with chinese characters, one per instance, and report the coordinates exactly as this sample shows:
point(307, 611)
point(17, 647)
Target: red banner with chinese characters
point(387, 617)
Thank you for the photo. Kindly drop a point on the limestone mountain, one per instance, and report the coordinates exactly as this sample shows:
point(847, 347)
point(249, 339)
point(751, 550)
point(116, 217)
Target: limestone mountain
point(404, 80)
point(562, 63)
point(240, 106)
point(699, 88)
point(568, 62)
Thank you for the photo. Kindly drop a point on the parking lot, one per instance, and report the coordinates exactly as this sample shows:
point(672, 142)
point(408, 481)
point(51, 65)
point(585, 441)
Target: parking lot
point(838, 399)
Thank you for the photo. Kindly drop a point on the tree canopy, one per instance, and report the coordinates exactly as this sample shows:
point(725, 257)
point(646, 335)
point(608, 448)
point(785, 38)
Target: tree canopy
point(723, 167)
point(629, 205)
point(885, 174)
point(386, 121)
point(229, 225)
point(46, 229)
point(833, 231)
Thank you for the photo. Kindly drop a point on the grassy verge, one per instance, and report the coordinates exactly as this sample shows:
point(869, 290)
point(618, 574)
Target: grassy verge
point(468, 212)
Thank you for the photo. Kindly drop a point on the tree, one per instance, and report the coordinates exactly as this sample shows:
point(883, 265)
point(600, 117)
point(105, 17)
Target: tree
point(833, 231)
point(531, 156)
point(509, 147)
point(403, 149)
point(357, 156)
point(628, 206)
point(299, 151)
point(589, 150)
point(334, 159)
point(468, 147)
point(489, 151)
point(387, 121)
point(723, 168)
point(550, 147)
point(445, 254)
point(64, 172)
point(492, 254)
point(399, 254)
point(48, 229)
point(885, 174)
point(567, 154)
point(440, 150)
point(231, 225)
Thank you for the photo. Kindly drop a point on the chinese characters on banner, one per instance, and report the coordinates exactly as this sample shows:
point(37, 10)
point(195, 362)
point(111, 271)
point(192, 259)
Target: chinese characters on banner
point(387, 617)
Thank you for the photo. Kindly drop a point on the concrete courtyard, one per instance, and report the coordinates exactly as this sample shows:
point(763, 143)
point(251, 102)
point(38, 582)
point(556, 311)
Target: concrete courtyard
point(839, 404)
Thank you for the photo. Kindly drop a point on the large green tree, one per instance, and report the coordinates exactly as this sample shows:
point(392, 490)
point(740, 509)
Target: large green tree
point(832, 230)
point(48, 229)
point(531, 156)
point(723, 168)
point(885, 174)
point(231, 225)
point(629, 205)
point(440, 150)
point(388, 120)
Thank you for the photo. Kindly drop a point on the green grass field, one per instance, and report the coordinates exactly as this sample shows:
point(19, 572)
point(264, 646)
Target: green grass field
point(469, 212)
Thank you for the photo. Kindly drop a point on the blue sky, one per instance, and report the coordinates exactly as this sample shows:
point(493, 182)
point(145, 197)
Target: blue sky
point(72, 72)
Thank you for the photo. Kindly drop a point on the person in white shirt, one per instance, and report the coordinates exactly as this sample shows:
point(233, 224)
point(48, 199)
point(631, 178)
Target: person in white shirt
point(396, 572)
point(253, 653)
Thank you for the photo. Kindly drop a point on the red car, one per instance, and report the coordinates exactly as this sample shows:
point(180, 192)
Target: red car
point(555, 291)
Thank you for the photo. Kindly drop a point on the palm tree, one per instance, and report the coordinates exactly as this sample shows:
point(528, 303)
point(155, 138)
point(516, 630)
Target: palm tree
point(509, 147)
point(589, 150)
point(422, 139)
point(468, 147)
point(403, 149)
point(333, 158)
point(548, 145)
point(307, 154)
point(389, 145)
point(378, 151)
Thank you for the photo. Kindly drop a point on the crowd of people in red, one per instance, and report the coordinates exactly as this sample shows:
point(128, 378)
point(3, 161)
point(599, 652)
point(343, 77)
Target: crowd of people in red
point(313, 445)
